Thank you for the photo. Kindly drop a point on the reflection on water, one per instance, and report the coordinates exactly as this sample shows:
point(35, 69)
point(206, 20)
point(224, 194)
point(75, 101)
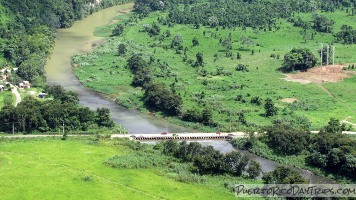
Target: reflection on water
point(78, 39)
point(266, 165)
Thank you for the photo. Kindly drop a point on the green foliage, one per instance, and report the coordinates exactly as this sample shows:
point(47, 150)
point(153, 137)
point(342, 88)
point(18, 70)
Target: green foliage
point(32, 115)
point(347, 35)
point(270, 109)
point(138, 160)
point(254, 169)
point(283, 175)
point(322, 24)
point(299, 59)
point(118, 30)
point(103, 118)
point(287, 140)
point(206, 160)
point(157, 96)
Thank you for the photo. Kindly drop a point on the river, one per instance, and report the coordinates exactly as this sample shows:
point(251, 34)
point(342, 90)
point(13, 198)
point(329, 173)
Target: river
point(79, 39)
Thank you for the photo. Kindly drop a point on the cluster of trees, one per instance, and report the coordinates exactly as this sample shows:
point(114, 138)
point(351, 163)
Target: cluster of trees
point(27, 30)
point(347, 35)
point(329, 149)
point(32, 115)
point(157, 95)
point(334, 151)
point(207, 160)
point(231, 13)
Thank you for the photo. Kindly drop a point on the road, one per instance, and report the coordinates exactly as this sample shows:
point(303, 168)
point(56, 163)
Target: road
point(16, 93)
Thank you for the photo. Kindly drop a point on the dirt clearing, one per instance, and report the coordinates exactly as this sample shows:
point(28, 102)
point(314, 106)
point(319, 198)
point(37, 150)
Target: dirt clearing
point(330, 73)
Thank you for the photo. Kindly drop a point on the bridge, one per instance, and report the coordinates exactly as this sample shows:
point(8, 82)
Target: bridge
point(181, 136)
point(159, 136)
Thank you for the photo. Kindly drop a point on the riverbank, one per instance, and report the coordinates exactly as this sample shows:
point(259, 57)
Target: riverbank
point(76, 40)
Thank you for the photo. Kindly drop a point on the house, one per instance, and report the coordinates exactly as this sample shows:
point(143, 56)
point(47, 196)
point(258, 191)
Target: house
point(42, 95)
point(24, 85)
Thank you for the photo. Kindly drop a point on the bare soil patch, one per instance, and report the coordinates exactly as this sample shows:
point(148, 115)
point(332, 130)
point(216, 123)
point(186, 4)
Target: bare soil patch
point(289, 100)
point(329, 73)
point(125, 11)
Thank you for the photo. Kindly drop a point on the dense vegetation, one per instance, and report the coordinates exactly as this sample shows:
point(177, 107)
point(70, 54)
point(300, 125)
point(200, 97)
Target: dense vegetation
point(207, 160)
point(62, 113)
point(28, 27)
point(329, 149)
point(175, 59)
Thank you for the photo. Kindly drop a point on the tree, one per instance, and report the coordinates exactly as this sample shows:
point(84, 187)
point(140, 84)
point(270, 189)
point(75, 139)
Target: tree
point(234, 163)
point(270, 109)
point(177, 41)
point(333, 126)
point(141, 78)
point(170, 147)
point(208, 161)
point(298, 59)
point(245, 40)
point(122, 49)
point(287, 140)
point(195, 42)
point(136, 63)
point(103, 118)
point(157, 96)
point(347, 35)
point(322, 24)
point(283, 175)
point(254, 169)
point(118, 30)
point(199, 61)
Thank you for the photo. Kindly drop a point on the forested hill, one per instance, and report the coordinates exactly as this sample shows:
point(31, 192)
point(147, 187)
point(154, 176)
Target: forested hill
point(261, 14)
point(27, 31)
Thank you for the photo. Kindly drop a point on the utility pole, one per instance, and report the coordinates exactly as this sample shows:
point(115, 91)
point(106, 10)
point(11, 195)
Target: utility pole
point(63, 127)
point(327, 62)
point(333, 63)
point(321, 60)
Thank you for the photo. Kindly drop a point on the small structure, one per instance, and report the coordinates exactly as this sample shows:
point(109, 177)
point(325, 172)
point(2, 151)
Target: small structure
point(42, 95)
point(24, 85)
point(2, 88)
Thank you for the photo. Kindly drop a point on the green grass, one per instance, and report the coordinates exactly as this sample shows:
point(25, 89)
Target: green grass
point(75, 169)
point(104, 71)
point(6, 97)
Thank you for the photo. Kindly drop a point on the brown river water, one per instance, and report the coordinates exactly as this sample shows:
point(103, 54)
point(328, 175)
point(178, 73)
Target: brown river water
point(79, 39)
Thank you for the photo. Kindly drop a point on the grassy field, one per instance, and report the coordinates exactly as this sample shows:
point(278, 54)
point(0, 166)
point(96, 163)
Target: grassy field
point(103, 70)
point(74, 169)
point(5, 98)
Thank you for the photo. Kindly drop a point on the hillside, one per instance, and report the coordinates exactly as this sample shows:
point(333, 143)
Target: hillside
point(238, 68)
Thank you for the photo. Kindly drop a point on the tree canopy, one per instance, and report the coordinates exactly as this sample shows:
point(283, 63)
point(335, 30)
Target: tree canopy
point(299, 59)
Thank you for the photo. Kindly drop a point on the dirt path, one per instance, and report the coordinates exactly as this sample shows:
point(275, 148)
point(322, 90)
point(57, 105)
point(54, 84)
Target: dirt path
point(16, 93)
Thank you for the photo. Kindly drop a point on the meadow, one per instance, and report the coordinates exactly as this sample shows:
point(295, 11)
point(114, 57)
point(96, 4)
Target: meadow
point(217, 84)
point(6, 97)
point(48, 168)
